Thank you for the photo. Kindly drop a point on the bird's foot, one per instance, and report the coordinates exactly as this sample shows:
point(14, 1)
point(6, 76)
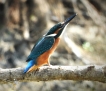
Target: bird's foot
point(49, 65)
point(33, 68)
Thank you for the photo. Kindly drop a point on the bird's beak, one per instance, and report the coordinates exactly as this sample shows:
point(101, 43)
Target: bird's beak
point(63, 25)
point(68, 20)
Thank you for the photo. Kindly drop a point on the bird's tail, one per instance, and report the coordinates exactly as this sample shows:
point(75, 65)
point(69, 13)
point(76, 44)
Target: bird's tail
point(30, 64)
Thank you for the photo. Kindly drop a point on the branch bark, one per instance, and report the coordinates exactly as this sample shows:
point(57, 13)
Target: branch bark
point(45, 73)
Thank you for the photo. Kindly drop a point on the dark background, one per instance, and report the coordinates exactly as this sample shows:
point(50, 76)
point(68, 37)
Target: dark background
point(23, 22)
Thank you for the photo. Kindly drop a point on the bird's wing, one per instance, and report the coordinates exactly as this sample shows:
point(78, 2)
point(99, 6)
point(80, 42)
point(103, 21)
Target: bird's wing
point(42, 46)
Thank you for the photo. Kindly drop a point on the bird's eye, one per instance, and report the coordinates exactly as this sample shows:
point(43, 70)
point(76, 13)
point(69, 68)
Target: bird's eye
point(60, 25)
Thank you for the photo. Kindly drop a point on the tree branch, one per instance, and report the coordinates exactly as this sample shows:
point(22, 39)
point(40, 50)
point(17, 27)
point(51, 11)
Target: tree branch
point(45, 73)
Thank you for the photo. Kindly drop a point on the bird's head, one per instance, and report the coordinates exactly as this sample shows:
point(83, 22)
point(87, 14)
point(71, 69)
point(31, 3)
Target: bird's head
point(58, 28)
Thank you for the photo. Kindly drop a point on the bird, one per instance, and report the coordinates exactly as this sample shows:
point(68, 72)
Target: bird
point(43, 49)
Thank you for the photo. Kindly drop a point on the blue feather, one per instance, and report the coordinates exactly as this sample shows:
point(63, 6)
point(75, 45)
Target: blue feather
point(29, 65)
point(42, 46)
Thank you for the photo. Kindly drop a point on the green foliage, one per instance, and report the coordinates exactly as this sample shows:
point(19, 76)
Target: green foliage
point(87, 46)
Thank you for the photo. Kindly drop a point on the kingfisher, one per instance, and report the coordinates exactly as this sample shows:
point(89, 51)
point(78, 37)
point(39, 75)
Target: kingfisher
point(43, 49)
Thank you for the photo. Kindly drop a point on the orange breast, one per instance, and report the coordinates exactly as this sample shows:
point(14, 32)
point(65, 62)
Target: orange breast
point(44, 58)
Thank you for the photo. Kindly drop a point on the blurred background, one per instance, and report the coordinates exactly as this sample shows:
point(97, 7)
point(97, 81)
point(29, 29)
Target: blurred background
point(23, 22)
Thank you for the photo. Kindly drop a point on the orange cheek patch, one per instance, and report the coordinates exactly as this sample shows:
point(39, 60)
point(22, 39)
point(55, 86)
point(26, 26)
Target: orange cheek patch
point(57, 31)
